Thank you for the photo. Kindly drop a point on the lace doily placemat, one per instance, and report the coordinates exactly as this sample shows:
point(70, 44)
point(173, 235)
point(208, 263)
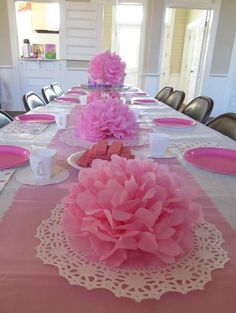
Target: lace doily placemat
point(70, 139)
point(192, 272)
point(26, 128)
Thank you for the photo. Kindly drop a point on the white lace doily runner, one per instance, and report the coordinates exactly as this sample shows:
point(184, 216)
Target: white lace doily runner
point(70, 139)
point(192, 272)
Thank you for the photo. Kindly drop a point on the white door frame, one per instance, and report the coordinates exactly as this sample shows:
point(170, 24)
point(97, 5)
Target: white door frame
point(191, 4)
point(231, 78)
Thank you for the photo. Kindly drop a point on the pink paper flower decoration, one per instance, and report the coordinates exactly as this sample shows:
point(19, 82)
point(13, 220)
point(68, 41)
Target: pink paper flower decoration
point(106, 117)
point(96, 95)
point(130, 212)
point(107, 68)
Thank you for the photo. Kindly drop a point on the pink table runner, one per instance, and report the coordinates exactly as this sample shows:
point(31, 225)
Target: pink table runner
point(27, 285)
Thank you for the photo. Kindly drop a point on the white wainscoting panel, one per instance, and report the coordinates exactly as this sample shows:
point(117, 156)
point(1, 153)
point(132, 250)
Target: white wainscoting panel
point(73, 76)
point(151, 83)
point(10, 96)
point(37, 74)
point(232, 97)
point(216, 88)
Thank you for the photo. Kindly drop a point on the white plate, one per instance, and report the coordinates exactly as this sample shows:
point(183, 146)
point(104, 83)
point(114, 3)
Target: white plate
point(71, 160)
point(73, 157)
point(26, 177)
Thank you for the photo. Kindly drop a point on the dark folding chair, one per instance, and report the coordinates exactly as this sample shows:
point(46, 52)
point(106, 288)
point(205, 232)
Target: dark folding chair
point(32, 100)
point(4, 118)
point(164, 93)
point(199, 109)
point(57, 89)
point(225, 124)
point(48, 94)
point(175, 99)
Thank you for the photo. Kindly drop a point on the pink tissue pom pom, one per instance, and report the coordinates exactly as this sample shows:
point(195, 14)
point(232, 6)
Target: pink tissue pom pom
point(106, 117)
point(107, 68)
point(130, 212)
point(98, 95)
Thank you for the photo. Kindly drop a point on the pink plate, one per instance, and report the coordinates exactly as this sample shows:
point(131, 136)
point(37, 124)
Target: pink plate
point(74, 92)
point(67, 99)
point(36, 118)
point(13, 156)
point(174, 122)
point(218, 160)
point(76, 88)
point(138, 94)
point(144, 101)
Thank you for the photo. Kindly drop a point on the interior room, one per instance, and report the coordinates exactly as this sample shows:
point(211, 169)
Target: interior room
point(117, 156)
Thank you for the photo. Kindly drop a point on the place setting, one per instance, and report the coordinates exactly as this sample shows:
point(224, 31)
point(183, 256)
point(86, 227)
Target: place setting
point(72, 99)
point(35, 166)
point(213, 159)
point(174, 122)
point(43, 169)
point(143, 101)
point(11, 158)
point(36, 118)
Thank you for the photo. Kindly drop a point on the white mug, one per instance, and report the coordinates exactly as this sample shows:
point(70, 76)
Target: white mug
point(158, 144)
point(42, 161)
point(62, 120)
point(128, 96)
point(83, 99)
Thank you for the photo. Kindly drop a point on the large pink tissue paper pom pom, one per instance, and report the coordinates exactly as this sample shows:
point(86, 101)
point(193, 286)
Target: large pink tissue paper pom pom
point(106, 117)
point(130, 212)
point(107, 68)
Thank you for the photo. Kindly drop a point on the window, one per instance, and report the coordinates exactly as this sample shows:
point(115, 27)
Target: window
point(127, 26)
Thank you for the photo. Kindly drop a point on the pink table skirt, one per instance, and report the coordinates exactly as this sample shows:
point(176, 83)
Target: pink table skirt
point(29, 286)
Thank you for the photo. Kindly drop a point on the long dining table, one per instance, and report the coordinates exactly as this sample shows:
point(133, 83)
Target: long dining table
point(30, 285)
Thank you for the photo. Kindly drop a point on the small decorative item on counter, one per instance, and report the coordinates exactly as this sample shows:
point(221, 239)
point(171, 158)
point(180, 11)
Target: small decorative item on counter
point(106, 69)
point(131, 212)
point(38, 51)
point(101, 150)
point(50, 51)
point(107, 117)
point(26, 49)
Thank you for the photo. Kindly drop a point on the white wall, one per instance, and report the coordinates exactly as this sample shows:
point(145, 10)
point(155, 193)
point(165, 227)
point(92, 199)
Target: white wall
point(215, 84)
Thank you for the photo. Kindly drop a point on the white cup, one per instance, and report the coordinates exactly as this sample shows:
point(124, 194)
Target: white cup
point(83, 99)
point(158, 144)
point(42, 162)
point(62, 120)
point(128, 96)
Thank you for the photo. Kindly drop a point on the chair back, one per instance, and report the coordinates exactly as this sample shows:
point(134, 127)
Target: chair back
point(32, 100)
point(57, 89)
point(199, 109)
point(225, 124)
point(4, 118)
point(48, 94)
point(164, 93)
point(175, 99)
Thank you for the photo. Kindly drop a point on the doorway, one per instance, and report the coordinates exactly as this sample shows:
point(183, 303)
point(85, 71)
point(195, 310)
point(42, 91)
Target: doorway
point(186, 37)
point(127, 37)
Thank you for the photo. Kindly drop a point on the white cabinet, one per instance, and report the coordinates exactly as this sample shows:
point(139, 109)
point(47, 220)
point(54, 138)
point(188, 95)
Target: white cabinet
point(37, 74)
